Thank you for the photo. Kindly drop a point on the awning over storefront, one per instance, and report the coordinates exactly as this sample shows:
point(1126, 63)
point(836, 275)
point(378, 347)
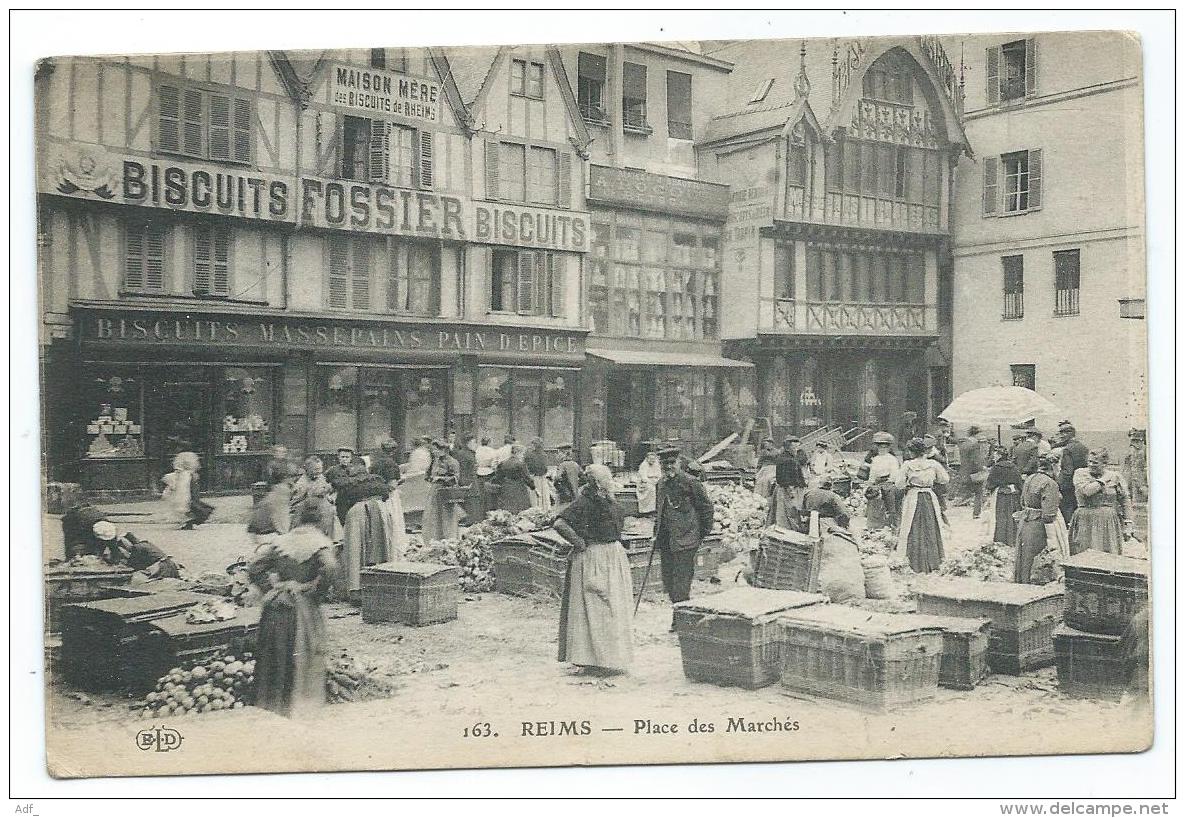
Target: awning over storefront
point(628, 357)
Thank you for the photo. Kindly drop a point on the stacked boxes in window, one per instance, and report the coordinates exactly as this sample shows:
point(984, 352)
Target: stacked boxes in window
point(413, 593)
point(1023, 616)
point(102, 640)
point(733, 638)
point(65, 585)
point(787, 560)
point(1104, 591)
point(876, 660)
point(964, 649)
point(511, 560)
point(175, 642)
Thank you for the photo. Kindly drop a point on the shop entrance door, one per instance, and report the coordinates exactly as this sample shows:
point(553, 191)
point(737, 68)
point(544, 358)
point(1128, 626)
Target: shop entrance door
point(629, 407)
point(179, 420)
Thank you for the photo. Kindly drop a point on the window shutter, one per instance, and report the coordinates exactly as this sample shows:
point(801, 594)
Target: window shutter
point(221, 282)
point(526, 278)
point(242, 130)
point(557, 271)
point(169, 132)
point(394, 251)
point(1030, 66)
point(993, 75)
point(202, 257)
point(219, 126)
point(434, 285)
point(491, 169)
point(361, 273)
point(133, 271)
point(339, 263)
point(990, 190)
point(426, 167)
point(379, 151)
point(191, 122)
point(154, 258)
point(1035, 179)
point(564, 179)
point(542, 284)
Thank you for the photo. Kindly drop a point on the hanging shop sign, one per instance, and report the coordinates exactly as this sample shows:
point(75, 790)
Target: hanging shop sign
point(524, 226)
point(90, 172)
point(654, 191)
point(375, 92)
point(371, 208)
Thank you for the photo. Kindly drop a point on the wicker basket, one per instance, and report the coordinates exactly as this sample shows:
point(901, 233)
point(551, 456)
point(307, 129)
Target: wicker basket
point(875, 660)
point(788, 561)
point(733, 638)
point(964, 649)
point(707, 559)
point(1104, 591)
point(637, 553)
point(66, 586)
point(1090, 665)
point(413, 593)
point(512, 567)
point(548, 570)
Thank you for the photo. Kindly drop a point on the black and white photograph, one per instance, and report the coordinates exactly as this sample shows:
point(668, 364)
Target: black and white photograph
point(668, 401)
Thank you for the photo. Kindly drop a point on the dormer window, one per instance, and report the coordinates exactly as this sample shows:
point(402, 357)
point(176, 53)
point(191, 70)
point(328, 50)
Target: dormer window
point(761, 91)
point(890, 79)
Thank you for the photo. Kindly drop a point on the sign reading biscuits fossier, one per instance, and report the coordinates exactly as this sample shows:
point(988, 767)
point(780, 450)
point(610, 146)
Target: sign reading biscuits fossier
point(375, 92)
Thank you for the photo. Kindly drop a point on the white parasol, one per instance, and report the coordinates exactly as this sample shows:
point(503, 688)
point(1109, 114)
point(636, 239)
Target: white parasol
point(998, 406)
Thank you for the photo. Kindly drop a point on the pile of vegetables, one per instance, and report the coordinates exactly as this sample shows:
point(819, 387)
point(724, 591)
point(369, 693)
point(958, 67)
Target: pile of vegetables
point(856, 501)
point(1047, 567)
point(471, 551)
point(991, 562)
point(218, 684)
point(211, 610)
point(347, 681)
point(740, 514)
point(879, 542)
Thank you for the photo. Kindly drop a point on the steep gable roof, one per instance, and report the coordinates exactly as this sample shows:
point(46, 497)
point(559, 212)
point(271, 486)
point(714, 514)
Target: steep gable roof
point(471, 67)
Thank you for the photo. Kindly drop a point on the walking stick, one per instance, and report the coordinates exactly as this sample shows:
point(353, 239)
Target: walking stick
point(646, 576)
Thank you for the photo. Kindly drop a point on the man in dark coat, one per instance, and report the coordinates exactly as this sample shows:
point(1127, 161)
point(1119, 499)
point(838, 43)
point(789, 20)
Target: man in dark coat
point(683, 517)
point(974, 469)
point(386, 462)
point(338, 474)
point(1074, 456)
point(1026, 452)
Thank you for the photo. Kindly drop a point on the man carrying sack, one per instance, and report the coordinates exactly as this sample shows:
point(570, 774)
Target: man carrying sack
point(684, 516)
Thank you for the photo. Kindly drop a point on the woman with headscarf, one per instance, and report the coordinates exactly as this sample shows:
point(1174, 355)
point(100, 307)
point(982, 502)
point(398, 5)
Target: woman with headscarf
point(294, 572)
point(536, 462)
point(312, 486)
point(369, 530)
point(1041, 524)
point(386, 466)
point(1003, 487)
point(649, 473)
point(920, 538)
point(441, 512)
point(1102, 520)
point(514, 482)
point(596, 617)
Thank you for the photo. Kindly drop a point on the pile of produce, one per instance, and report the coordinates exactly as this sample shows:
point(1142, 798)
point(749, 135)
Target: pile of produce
point(856, 501)
point(347, 681)
point(879, 542)
point(740, 514)
point(1047, 567)
point(211, 610)
point(991, 562)
point(218, 684)
point(471, 551)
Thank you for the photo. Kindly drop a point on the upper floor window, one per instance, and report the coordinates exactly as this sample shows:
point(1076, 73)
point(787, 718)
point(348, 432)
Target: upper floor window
point(520, 172)
point(761, 91)
point(349, 272)
point(633, 96)
point(211, 260)
point(1020, 189)
point(1067, 272)
point(528, 282)
point(378, 58)
point(1014, 287)
point(784, 271)
point(378, 151)
point(882, 170)
point(204, 124)
point(392, 59)
point(413, 278)
point(1024, 375)
point(889, 81)
point(1011, 71)
point(678, 105)
point(526, 79)
point(590, 87)
point(144, 257)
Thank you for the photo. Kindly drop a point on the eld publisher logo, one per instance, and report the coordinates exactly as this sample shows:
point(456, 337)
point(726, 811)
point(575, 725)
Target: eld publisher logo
point(162, 739)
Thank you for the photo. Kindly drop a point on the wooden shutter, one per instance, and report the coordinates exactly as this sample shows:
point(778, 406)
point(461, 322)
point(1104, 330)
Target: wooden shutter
point(133, 270)
point(434, 259)
point(1030, 66)
point(360, 271)
point(339, 267)
point(564, 179)
point(203, 252)
point(991, 195)
point(541, 284)
point(379, 151)
point(169, 132)
point(395, 251)
point(221, 280)
point(219, 127)
point(426, 165)
point(192, 131)
point(154, 258)
point(242, 130)
point(526, 279)
point(557, 272)
point(992, 81)
point(492, 149)
point(1035, 183)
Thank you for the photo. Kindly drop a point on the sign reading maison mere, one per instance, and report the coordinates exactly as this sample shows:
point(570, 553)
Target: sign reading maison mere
point(653, 191)
point(374, 91)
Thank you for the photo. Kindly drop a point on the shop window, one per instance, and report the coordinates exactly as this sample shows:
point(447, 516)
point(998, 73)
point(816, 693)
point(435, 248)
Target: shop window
point(1067, 271)
point(627, 244)
point(112, 413)
point(493, 403)
point(247, 407)
point(211, 260)
point(336, 411)
point(633, 97)
point(590, 88)
point(526, 79)
point(349, 272)
point(528, 282)
point(423, 405)
point(204, 124)
point(559, 416)
point(378, 151)
point(1014, 287)
point(144, 257)
point(679, 105)
point(525, 409)
point(413, 278)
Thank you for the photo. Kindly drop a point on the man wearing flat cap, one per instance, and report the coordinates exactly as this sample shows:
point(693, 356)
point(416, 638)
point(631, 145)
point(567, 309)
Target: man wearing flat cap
point(1075, 453)
point(789, 483)
point(683, 517)
point(974, 469)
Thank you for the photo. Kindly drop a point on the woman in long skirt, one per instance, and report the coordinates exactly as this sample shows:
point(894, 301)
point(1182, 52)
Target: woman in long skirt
point(1041, 524)
point(369, 529)
point(294, 572)
point(1003, 488)
point(441, 514)
point(596, 614)
point(649, 473)
point(1102, 519)
point(920, 538)
point(181, 493)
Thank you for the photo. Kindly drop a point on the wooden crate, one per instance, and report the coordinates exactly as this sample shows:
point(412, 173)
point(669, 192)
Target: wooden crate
point(627, 501)
point(733, 638)
point(788, 561)
point(1104, 591)
point(173, 642)
point(1090, 665)
point(412, 593)
point(512, 566)
point(65, 586)
point(875, 660)
point(1023, 616)
point(707, 559)
point(102, 639)
point(964, 649)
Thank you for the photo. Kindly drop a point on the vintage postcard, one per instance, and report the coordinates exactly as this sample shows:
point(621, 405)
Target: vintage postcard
point(601, 403)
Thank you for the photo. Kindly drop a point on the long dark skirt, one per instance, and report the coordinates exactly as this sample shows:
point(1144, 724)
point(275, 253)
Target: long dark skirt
point(1030, 541)
point(290, 655)
point(923, 542)
point(1007, 504)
